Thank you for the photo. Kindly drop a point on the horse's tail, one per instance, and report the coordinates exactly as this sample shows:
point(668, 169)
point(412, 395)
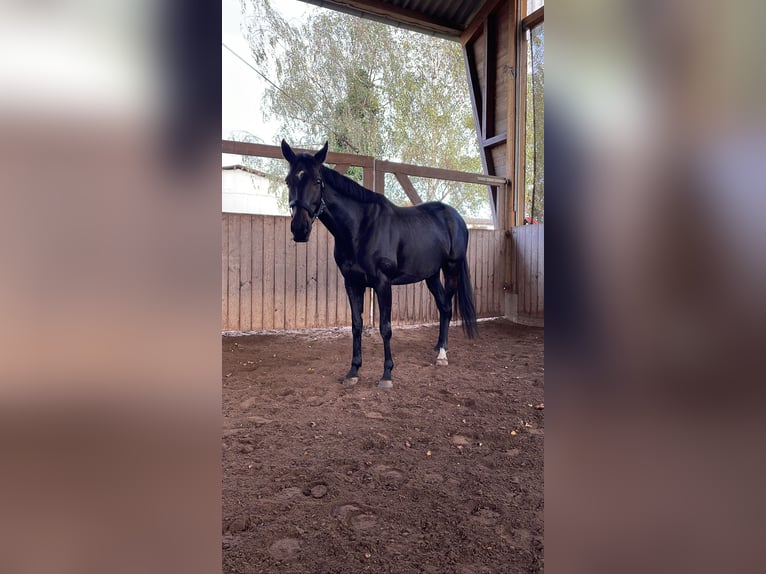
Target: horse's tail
point(465, 301)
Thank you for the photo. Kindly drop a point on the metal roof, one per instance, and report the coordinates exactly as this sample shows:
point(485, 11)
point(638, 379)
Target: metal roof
point(441, 18)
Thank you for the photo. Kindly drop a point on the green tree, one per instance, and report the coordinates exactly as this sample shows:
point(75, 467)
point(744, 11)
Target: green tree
point(370, 89)
point(534, 176)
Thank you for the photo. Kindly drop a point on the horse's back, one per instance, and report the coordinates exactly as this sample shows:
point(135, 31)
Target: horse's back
point(448, 225)
point(428, 235)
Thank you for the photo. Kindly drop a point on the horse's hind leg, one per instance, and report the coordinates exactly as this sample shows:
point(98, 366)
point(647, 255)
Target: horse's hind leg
point(444, 304)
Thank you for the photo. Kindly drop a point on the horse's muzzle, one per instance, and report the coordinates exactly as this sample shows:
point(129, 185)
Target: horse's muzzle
point(301, 228)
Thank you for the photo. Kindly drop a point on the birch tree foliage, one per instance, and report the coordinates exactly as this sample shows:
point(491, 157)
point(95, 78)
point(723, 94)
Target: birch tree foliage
point(370, 89)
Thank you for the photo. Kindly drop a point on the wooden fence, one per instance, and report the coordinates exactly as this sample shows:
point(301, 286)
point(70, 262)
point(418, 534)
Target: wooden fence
point(271, 282)
point(527, 293)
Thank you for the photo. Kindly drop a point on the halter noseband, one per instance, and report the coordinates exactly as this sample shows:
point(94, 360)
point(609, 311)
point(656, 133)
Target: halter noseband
point(302, 204)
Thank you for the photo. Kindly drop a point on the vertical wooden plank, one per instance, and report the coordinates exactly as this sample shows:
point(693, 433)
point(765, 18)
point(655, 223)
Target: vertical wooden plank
point(536, 256)
point(291, 254)
point(500, 273)
point(234, 256)
point(479, 274)
point(471, 271)
point(403, 303)
point(256, 288)
point(311, 278)
point(301, 282)
point(412, 311)
point(485, 273)
point(322, 319)
point(538, 273)
point(224, 271)
point(488, 273)
point(431, 315)
point(343, 306)
point(527, 271)
point(380, 181)
point(417, 317)
point(541, 272)
point(367, 308)
point(368, 176)
point(489, 238)
point(480, 278)
point(268, 271)
point(395, 305)
point(246, 274)
point(522, 271)
point(332, 284)
point(532, 269)
point(515, 270)
point(279, 272)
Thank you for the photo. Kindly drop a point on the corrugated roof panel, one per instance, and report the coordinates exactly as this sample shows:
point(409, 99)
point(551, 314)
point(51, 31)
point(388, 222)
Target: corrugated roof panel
point(444, 18)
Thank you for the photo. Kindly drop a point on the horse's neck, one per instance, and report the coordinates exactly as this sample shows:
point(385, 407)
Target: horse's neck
point(343, 216)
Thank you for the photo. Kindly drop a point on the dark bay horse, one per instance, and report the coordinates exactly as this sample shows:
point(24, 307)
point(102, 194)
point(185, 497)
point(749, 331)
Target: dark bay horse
point(378, 244)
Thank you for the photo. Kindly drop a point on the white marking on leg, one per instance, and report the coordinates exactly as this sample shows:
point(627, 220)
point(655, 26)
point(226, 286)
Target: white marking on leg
point(441, 359)
point(442, 353)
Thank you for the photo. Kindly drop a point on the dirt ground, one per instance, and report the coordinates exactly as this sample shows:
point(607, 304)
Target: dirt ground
point(441, 474)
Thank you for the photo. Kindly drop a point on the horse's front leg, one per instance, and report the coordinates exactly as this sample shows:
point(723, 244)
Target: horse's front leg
point(383, 293)
point(355, 293)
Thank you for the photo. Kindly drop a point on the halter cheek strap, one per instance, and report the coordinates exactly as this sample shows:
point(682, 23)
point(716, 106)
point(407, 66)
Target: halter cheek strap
point(303, 205)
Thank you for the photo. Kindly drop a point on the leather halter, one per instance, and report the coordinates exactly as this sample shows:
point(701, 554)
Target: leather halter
point(313, 213)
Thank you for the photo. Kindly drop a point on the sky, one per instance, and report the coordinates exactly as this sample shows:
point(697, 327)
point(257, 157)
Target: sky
point(242, 88)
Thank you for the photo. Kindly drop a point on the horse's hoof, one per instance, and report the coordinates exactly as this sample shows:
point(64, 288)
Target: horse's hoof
point(441, 362)
point(350, 381)
point(385, 384)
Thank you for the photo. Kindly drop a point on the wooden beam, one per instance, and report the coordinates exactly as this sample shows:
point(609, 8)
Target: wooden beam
point(380, 179)
point(368, 177)
point(342, 167)
point(478, 103)
point(472, 74)
point(409, 189)
point(273, 151)
point(521, 141)
point(478, 21)
point(387, 13)
point(437, 173)
point(490, 77)
point(533, 19)
point(513, 70)
point(495, 140)
point(492, 189)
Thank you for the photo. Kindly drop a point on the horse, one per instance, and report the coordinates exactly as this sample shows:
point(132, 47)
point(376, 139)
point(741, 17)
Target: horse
point(379, 244)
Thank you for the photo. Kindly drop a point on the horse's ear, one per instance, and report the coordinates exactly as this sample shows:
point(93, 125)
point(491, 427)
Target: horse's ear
point(321, 155)
point(287, 151)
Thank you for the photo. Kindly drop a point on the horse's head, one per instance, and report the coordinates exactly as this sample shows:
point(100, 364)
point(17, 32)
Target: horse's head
point(305, 185)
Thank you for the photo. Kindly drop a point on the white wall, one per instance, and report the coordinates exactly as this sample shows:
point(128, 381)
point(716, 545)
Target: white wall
point(245, 192)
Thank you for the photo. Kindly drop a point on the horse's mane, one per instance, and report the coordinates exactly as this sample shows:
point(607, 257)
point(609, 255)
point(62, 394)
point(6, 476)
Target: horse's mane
point(350, 188)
